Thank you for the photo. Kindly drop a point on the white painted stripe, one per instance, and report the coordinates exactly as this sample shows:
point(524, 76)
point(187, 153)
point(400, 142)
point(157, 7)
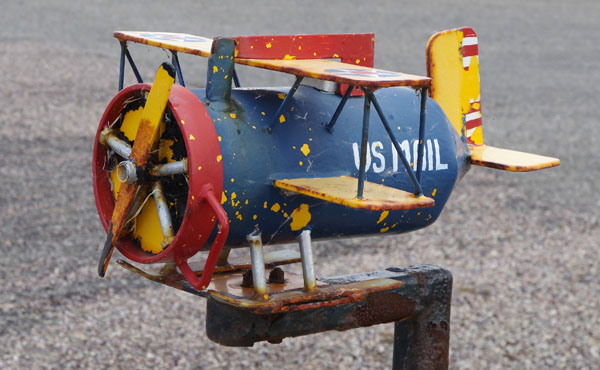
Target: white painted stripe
point(467, 41)
point(472, 116)
point(466, 62)
point(470, 132)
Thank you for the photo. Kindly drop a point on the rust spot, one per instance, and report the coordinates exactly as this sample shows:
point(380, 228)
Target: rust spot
point(384, 307)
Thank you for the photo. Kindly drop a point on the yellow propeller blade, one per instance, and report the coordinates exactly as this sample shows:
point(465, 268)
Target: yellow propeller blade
point(145, 140)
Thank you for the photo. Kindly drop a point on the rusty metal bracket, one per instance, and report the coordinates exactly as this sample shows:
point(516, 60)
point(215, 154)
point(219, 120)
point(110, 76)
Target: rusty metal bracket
point(417, 299)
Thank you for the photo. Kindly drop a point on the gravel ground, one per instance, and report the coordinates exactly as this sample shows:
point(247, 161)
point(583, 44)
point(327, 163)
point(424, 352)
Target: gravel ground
point(523, 248)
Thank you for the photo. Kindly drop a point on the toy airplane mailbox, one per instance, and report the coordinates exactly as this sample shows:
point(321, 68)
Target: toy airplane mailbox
point(178, 171)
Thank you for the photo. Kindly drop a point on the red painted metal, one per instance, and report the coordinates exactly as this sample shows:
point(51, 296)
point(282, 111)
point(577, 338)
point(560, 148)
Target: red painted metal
point(205, 174)
point(208, 196)
point(351, 48)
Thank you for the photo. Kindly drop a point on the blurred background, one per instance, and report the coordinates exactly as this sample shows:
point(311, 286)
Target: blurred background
point(523, 248)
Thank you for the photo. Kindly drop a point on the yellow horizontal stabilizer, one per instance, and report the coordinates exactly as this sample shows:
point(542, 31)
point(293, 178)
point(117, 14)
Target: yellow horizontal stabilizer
point(331, 70)
point(342, 190)
point(181, 42)
point(509, 160)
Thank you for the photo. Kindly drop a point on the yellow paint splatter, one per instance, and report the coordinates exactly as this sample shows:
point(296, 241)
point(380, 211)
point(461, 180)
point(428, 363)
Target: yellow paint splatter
point(315, 54)
point(383, 215)
point(265, 205)
point(336, 56)
point(382, 230)
point(246, 202)
point(193, 197)
point(219, 157)
point(288, 57)
point(263, 113)
point(281, 96)
point(268, 45)
point(215, 69)
point(254, 217)
point(232, 179)
point(398, 127)
point(281, 119)
point(182, 122)
point(232, 115)
point(285, 214)
point(199, 168)
point(434, 192)
point(357, 61)
point(223, 198)
point(300, 217)
point(192, 137)
point(220, 138)
point(300, 163)
point(233, 195)
point(305, 149)
point(254, 127)
point(276, 207)
point(226, 76)
point(299, 47)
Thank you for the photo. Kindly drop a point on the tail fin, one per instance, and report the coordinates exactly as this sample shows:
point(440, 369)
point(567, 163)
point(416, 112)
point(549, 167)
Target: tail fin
point(453, 65)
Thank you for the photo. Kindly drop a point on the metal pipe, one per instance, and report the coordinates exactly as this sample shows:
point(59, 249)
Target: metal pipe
point(172, 168)
point(138, 200)
point(338, 111)
point(108, 138)
point(411, 173)
point(421, 132)
point(164, 216)
point(285, 101)
point(308, 266)
point(364, 146)
point(127, 172)
point(259, 279)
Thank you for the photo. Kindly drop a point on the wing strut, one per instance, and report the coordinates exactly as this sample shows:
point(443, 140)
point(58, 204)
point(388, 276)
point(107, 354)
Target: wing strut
point(415, 178)
point(289, 95)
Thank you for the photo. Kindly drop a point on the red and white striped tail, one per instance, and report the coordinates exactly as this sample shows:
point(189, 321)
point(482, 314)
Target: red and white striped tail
point(470, 46)
point(453, 64)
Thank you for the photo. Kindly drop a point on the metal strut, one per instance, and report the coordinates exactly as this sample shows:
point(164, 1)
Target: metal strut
point(339, 109)
point(414, 178)
point(177, 67)
point(285, 101)
point(364, 147)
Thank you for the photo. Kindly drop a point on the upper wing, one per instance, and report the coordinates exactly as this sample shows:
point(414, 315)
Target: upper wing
point(181, 42)
point(339, 72)
point(322, 69)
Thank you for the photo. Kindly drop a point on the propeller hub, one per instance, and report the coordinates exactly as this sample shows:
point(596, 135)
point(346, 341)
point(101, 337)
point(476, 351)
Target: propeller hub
point(127, 172)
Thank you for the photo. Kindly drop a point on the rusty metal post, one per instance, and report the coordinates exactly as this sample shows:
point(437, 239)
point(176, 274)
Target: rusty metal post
point(417, 301)
point(424, 341)
point(259, 279)
point(308, 266)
